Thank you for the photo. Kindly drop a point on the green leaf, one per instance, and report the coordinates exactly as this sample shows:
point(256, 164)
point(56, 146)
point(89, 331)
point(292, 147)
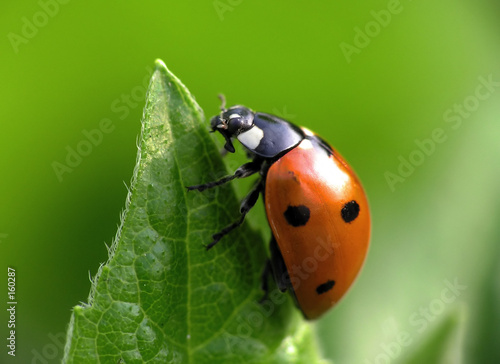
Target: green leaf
point(444, 344)
point(161, 297)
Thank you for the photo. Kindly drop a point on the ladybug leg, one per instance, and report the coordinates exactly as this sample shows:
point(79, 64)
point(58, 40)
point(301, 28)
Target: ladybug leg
point(246, 204)
point(266, 272)
point(278, 266)
point(275, 266)
point(245, 170)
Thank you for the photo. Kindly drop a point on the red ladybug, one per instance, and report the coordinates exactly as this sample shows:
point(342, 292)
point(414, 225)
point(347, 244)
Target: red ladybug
point(315, 205)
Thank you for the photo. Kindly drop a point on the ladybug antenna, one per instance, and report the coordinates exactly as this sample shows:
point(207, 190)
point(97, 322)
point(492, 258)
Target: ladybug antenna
point(223, 102)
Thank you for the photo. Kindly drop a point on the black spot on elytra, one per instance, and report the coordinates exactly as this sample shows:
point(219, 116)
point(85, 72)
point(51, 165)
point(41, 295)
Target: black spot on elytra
point(350, 211)
point(325, 287)
point(297, 215)
point(294, 176)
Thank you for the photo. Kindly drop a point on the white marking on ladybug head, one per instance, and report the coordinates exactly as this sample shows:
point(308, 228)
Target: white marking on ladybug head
point(307, 132)
point(305, 144)
point(252, 137)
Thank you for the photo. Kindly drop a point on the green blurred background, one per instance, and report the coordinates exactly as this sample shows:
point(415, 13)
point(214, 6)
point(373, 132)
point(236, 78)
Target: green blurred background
point(378, 80)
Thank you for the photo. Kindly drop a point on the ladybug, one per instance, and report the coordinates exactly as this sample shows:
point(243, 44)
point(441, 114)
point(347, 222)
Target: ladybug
point(315, 205)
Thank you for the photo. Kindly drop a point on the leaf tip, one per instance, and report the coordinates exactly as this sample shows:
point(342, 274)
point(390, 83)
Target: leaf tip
point(159, 64)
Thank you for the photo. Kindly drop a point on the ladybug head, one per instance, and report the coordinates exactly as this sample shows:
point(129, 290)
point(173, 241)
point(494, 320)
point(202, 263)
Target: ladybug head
point(232, 122)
